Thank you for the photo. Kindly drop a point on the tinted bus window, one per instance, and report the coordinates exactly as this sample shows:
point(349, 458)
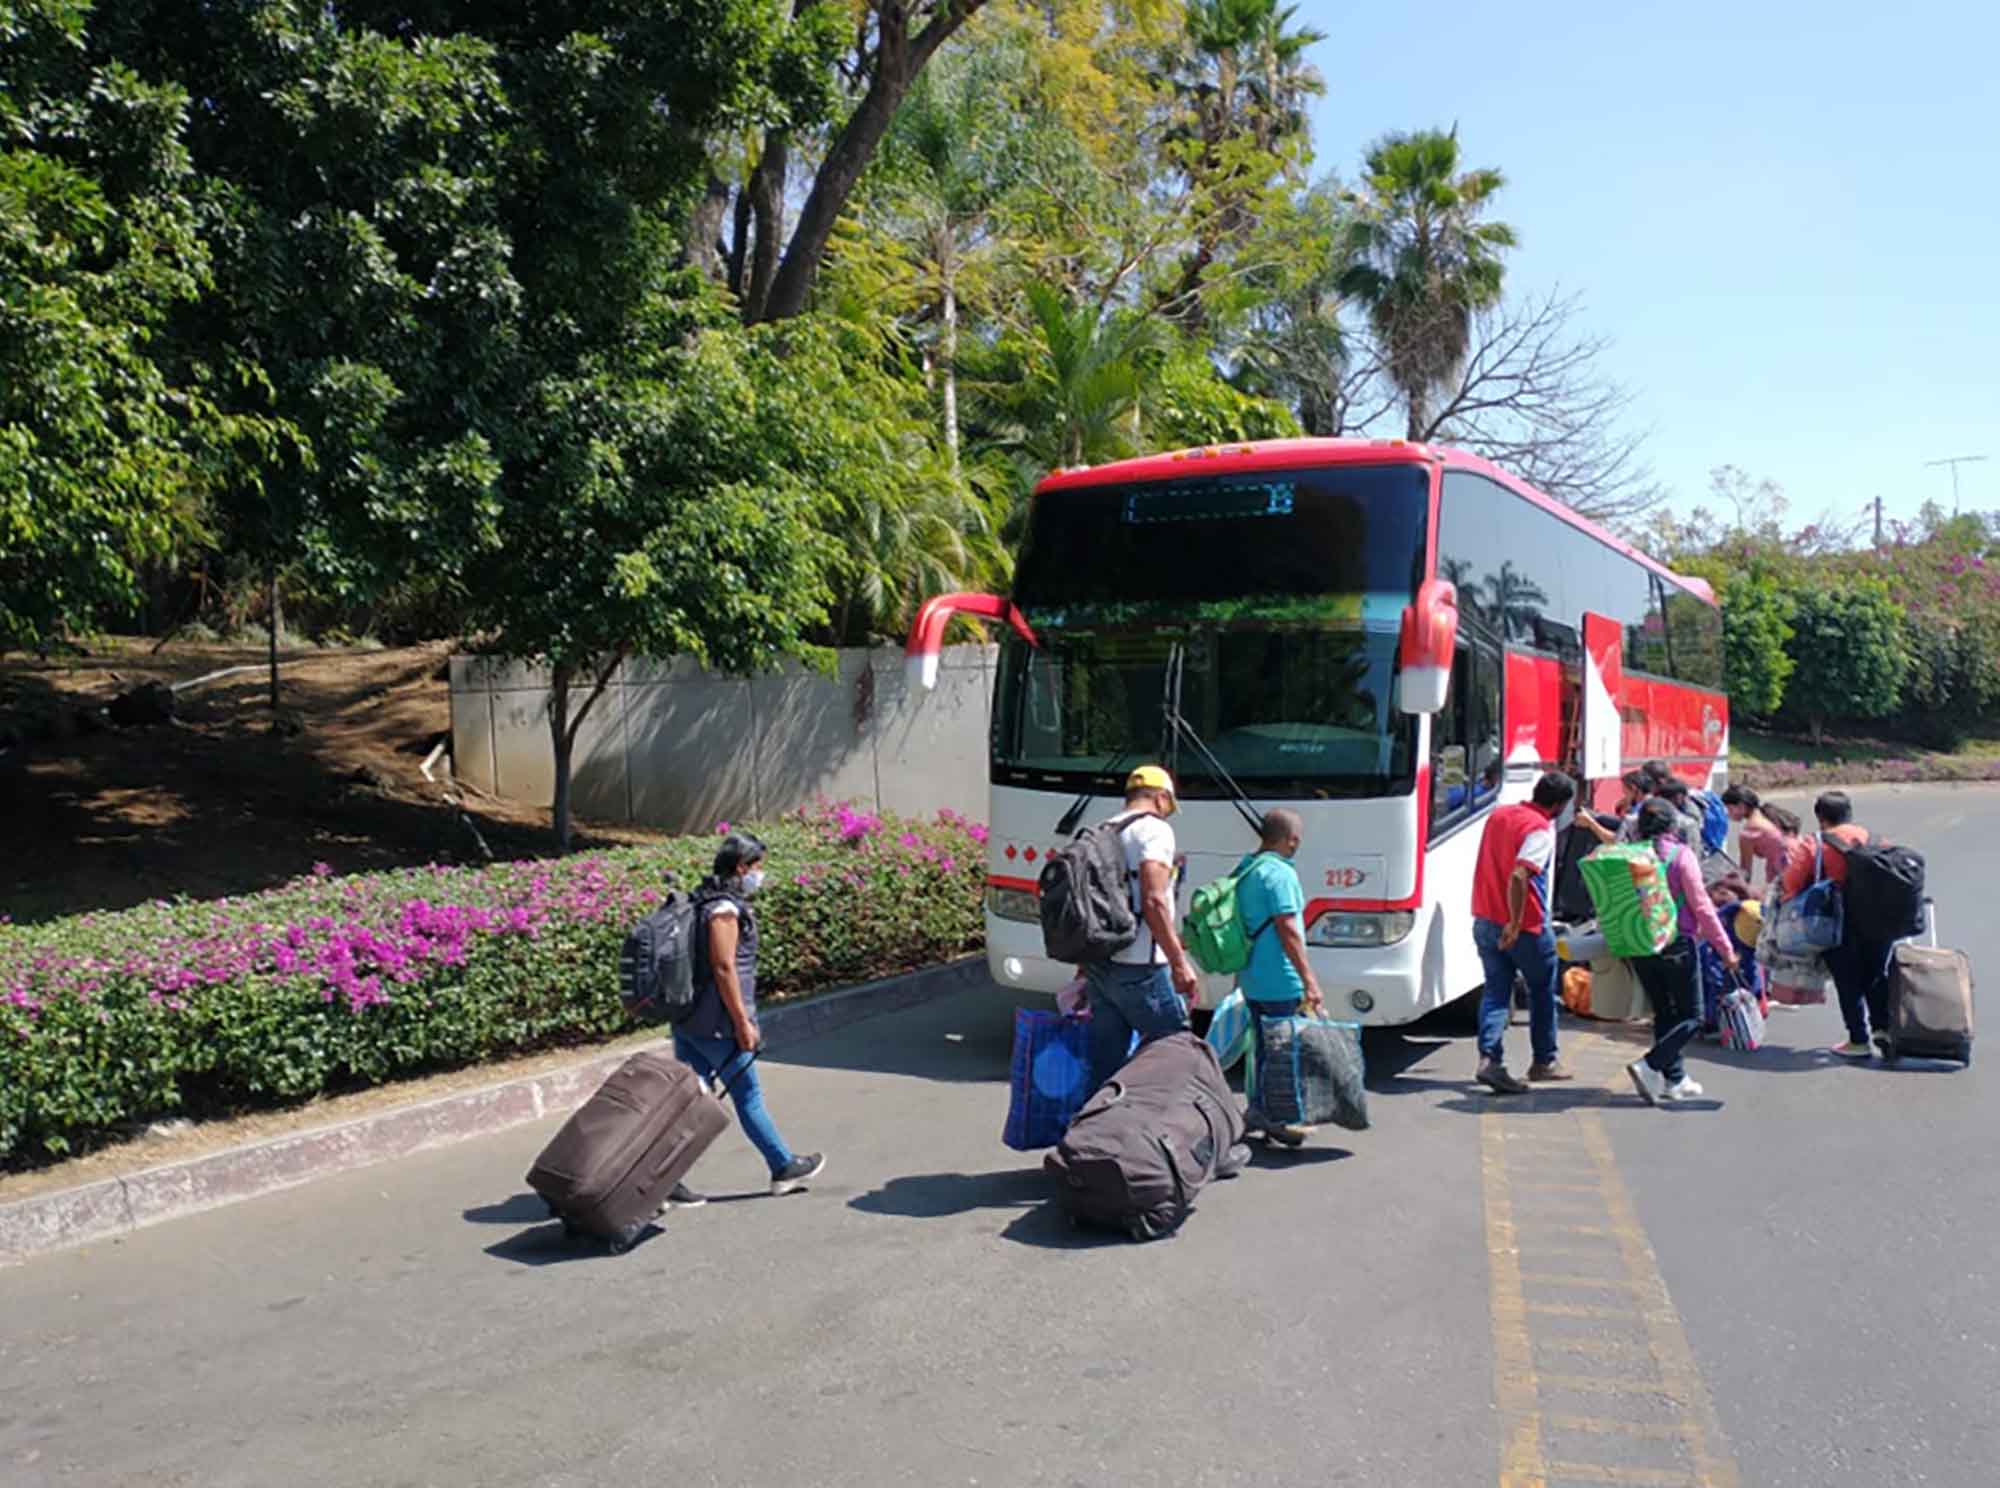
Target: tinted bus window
point(1694, 630)
point(1505, 556)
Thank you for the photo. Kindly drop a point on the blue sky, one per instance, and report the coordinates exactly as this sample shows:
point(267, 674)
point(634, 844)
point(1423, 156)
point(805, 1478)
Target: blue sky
point(1785, 215)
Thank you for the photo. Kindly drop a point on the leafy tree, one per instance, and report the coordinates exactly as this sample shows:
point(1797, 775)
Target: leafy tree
point(674, 501)
point(1757, 610)
point(1421, 260)
point(105, 456)
point(1849, 652)
point(1191, 403)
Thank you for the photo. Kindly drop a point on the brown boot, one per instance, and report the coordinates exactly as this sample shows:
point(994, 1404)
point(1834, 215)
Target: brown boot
point(1553, 1070)
point(1493, 1075)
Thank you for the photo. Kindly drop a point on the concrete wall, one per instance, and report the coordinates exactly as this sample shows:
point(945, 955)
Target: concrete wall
point(673, 746)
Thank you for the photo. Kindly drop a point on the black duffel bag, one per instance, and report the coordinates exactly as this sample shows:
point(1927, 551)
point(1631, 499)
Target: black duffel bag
point(1143, 1146)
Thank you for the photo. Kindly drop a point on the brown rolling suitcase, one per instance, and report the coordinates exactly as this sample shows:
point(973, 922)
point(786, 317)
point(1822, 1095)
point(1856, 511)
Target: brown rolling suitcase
point(611, 1167)
point(1930, 1001)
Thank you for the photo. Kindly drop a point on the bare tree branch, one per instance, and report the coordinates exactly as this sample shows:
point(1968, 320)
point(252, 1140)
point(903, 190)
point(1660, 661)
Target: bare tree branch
point(1532, 397)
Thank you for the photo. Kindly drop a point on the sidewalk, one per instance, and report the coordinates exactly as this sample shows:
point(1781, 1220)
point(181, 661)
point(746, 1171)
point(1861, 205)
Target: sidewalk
point(118, 1205)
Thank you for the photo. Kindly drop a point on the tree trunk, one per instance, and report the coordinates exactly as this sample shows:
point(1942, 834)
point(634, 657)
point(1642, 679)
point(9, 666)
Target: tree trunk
point(739, 246)
point(703, 248)
point(767, 208)
point(948, 353)
point(563, 737)
point(277, 620)
point(899, 57)
point(563, 731)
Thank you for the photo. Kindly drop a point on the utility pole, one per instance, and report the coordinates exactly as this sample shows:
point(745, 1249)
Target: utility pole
point(1954, 462)
point(1878, 521)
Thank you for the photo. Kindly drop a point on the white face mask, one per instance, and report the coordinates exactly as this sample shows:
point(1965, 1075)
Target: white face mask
point(753, 880)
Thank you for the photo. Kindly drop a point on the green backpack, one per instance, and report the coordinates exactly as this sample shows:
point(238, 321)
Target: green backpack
point(1212, 928)
point(1636, 911)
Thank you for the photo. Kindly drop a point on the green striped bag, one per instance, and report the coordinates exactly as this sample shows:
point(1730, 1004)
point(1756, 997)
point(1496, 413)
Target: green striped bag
point(1636, 912)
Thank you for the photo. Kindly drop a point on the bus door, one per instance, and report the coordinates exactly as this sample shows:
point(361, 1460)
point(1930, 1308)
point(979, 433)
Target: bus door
point(1603, 727)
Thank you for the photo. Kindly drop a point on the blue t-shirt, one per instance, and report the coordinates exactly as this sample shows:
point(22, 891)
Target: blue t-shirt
point(1269, 887)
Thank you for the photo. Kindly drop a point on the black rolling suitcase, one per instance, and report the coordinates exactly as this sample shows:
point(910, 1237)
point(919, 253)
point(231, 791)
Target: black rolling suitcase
point(1930, 1000)
point(611, 1166)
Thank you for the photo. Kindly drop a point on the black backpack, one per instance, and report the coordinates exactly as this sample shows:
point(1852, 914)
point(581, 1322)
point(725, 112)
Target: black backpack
point(1086, 895)
point(657, 963)
point(1885, 891)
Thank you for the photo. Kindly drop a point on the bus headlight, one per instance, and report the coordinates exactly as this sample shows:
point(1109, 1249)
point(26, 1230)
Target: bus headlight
point(1013, 904)
point(1345, 928)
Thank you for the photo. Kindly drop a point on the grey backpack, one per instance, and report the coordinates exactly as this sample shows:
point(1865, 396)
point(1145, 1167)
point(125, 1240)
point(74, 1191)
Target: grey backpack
point(1086, 895)
point(1143, 1146)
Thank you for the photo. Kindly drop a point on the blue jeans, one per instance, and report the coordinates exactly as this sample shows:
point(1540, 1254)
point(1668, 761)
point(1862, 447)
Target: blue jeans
point(1125, 1000)
point(706, 1057)
point(1534, 957)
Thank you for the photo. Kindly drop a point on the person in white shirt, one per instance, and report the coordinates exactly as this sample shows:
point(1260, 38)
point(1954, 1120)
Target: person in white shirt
point(1147, 987)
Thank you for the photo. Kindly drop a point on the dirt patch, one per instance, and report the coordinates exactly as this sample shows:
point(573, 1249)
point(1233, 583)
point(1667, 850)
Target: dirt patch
point(179, 1141)
point(219, 801)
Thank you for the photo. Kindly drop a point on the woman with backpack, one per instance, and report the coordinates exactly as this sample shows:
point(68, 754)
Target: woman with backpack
point(1669, 975)
point(720, 1038)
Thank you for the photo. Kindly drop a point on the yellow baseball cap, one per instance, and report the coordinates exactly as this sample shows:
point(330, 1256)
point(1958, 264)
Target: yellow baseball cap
point(1152, 777)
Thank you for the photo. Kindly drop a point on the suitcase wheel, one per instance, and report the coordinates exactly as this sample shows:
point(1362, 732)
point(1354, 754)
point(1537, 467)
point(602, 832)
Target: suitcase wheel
point(570, 1228)
point(626, 1238)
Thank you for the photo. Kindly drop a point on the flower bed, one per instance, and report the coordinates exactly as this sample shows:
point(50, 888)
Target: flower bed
point(200, 1008)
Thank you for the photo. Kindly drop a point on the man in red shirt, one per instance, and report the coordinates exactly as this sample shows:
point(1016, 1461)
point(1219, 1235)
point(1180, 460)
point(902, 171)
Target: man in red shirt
point(1510, 925)
point(1859, 968)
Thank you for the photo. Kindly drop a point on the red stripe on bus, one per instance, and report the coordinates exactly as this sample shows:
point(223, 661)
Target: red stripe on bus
point(1025, 885)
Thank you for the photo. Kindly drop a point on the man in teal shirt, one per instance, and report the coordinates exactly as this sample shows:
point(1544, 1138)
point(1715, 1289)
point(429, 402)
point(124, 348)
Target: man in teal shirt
point(1279, 980)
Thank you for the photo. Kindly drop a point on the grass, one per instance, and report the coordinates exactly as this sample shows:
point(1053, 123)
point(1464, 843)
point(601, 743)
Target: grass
point(1748, 747)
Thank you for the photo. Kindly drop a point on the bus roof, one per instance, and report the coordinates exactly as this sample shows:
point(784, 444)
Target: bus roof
point(1293, 454)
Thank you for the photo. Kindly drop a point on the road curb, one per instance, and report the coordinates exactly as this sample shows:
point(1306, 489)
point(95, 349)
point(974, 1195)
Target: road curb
point(112, 1207)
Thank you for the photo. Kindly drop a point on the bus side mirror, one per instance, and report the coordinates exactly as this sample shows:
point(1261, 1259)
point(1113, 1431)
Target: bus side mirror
point(926, 642)
point(1430, 635)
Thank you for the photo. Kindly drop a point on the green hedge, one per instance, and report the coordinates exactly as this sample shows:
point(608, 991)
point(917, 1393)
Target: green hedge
point(327, 984)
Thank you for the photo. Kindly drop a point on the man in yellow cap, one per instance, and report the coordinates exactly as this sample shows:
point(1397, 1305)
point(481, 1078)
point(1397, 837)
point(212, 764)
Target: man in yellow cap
point(1145, 988)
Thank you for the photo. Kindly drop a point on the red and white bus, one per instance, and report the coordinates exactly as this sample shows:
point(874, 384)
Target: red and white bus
point(1389, 638)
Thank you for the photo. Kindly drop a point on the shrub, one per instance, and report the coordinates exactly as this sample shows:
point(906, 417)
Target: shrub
point(198, 1008)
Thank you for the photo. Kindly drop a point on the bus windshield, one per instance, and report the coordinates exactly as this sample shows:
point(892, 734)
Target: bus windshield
point(1279, 595)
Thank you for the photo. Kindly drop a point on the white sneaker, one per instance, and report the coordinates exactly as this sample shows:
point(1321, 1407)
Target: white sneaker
point(1649, 1082)
point(1682, 1089)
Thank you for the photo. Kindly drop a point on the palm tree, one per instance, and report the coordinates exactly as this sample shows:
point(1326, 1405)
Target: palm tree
point(1421, 260)
point(1242, 75)
point(953, 154)
point(1077, 398)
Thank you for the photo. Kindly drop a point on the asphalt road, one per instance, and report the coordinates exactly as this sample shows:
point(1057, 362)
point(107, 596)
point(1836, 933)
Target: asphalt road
point(1803, 1267)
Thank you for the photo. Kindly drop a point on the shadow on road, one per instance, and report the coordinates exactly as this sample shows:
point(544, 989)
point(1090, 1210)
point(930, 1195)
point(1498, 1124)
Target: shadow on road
point(547, 1245)
point(965, 1037)
point(937, 1195)
point(523, 1208)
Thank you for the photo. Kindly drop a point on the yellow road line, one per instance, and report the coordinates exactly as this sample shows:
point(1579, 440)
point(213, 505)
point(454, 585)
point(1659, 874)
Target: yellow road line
point(1559, 1278)
point(1590, 1343)
point(1514, 1390)
point(1576, 1310)
point(1600, 1384)
point(1610, 1426)
point(1672, 1355)
point(1565, 1175)
point(1600, 1472)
